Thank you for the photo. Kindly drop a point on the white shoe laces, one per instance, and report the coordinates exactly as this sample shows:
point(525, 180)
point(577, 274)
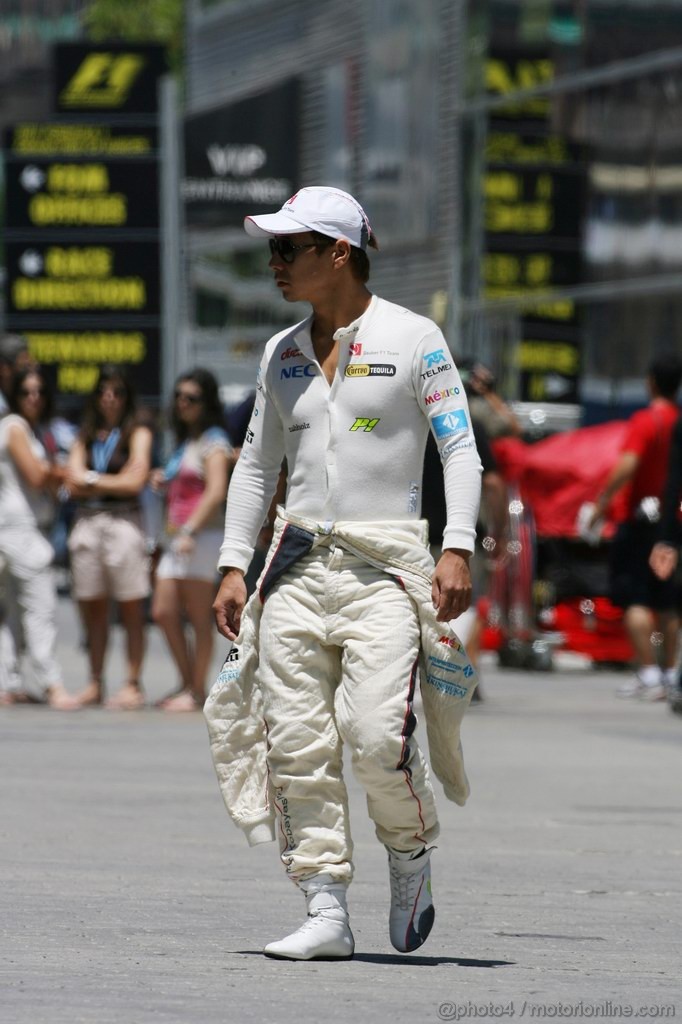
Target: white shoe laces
point(404, 887)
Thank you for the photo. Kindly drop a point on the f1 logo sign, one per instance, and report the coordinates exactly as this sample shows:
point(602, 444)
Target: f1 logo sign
point(103, 80)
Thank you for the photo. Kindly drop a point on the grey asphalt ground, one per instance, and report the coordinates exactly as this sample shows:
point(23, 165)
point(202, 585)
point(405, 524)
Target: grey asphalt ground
point(127, 895)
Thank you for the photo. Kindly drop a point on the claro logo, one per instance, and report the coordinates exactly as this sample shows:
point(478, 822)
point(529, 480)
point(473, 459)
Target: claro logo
point(103, 80)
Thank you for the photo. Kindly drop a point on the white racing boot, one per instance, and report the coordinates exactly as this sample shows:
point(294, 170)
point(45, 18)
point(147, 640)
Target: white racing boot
point(412, 912)
point(326, 934)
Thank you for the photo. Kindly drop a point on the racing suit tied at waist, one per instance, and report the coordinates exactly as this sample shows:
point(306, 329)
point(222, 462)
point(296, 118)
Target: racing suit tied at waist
point(234, 707)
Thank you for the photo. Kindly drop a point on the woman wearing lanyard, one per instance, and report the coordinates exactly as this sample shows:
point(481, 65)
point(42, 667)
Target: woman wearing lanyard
point(195, 483)
point(108, 467)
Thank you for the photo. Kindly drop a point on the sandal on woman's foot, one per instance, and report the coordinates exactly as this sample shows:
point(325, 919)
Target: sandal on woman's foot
point(60, 699)
point(184, 701)
point(91, 696)
point(169, 696)
point(11, 697)
point(129, 698)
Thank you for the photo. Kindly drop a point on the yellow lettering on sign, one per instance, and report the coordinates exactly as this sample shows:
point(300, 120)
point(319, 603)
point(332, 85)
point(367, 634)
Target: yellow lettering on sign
point(507, 147)
point(503, 78)
point(547, 355)
point(559, 309)
point(128, 293)
point(501, 270)
point(90, 261)
point(536, 388)
point(502, 185)
point(87, 346)
point(538, 269)
point(110, 210)
point(77, 178)
point(76, 378)
point(84, 140)
point(521, 218)
point(103, 80)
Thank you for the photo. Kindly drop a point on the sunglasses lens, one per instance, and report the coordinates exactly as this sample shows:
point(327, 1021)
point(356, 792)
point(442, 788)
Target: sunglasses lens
point(284, 248)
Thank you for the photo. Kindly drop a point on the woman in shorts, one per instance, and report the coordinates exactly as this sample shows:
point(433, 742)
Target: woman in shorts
point(108, 468)
point(194, 481)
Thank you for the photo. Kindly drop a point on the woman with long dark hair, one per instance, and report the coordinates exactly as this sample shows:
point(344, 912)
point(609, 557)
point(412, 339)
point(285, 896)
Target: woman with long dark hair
point(108, 468)
point(28, 482)
point(194, 481)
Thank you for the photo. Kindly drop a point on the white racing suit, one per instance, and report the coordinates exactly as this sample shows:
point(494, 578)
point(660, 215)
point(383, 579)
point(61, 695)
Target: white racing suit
point(283, 705)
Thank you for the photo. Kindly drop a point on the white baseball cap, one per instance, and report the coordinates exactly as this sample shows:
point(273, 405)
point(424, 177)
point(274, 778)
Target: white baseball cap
point(316, 208)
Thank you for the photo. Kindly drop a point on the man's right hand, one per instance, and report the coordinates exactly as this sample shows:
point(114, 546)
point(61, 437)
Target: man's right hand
point(663, 560)
point(229, 604)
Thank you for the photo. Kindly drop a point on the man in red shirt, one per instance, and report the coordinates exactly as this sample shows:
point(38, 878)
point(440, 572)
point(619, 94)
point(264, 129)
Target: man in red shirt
point(637, 483)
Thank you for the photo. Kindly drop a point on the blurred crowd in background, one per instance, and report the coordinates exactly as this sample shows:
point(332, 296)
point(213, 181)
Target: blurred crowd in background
point(123, 513)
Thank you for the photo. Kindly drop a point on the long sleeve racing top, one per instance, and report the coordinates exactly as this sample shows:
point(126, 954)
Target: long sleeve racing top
point(355, 448)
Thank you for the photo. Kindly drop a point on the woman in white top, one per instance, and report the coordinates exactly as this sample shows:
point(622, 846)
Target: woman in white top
point(27, 484)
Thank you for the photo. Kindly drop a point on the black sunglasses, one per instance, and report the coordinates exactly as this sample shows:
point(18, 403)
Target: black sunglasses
point(288, 251)
point(192, 399)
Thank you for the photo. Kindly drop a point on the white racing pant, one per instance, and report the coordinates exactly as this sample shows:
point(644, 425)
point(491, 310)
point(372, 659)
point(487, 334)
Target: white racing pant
point(339, 649)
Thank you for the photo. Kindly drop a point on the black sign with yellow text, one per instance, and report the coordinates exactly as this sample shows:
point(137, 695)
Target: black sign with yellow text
point(71, 353)
point(114, 78)
point(62, 193)
point(533, 188)
point(117, 278)
point(82, 245)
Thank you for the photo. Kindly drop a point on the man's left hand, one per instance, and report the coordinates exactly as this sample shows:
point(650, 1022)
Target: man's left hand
point(451, 589)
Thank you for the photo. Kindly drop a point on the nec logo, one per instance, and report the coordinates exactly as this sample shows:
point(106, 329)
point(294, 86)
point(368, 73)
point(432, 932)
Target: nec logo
point(307, 370)
point(103, 80)
point(290, 353)
point(355, 348)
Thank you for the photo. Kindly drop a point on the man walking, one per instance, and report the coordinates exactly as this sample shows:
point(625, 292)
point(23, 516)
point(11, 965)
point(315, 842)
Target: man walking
point(349, 605)
point(637, 482)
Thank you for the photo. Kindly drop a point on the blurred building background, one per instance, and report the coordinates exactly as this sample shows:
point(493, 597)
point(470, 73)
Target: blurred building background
point(521, 161)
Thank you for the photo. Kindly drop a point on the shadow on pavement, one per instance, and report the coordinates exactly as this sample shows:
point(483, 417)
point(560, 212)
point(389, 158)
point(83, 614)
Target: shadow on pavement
point(399, 958)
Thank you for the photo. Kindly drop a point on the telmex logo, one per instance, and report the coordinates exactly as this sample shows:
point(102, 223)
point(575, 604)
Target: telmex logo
point(370, 370)
point(103, 80)
point(433, 358)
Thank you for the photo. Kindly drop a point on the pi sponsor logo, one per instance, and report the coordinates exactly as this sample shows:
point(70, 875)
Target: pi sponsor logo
point(434, 358)
point(450, 423)
point(364, 424)
point(355, 348)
